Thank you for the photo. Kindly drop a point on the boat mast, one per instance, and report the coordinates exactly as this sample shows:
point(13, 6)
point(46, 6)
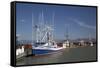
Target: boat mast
point(39, 28)
point(53, 16)
point(43, 31)
point(66, 34)
point(42, 26)
point(90, 41)
point(32, 28)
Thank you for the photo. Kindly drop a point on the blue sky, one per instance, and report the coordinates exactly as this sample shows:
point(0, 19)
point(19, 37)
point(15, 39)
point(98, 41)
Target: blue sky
point(80, 21)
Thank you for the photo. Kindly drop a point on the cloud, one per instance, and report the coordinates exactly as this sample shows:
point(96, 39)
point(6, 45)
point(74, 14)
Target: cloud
point(22, 20)
point(80, 23)
point(17, 35)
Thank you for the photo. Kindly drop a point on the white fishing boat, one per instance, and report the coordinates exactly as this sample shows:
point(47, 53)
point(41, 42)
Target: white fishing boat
point(44, 42)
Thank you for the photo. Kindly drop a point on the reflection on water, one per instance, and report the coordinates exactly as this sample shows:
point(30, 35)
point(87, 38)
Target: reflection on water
point(65, 55)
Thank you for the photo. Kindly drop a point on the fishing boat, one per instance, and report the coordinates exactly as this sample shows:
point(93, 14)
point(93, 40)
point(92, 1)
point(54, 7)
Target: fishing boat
point(44, 42)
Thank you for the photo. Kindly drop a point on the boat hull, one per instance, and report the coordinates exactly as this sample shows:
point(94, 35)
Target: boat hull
point(42, 52)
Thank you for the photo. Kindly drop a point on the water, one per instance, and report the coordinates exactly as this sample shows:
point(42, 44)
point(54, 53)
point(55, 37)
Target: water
point(65, 55)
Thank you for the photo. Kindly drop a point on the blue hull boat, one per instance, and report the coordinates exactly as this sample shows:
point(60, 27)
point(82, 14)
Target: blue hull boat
point(41, 52)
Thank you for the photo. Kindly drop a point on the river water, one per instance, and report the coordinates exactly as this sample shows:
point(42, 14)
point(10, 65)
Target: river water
point(66, 55)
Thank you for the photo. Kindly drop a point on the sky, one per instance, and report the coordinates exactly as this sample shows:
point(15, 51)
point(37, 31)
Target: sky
point(80, 22)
